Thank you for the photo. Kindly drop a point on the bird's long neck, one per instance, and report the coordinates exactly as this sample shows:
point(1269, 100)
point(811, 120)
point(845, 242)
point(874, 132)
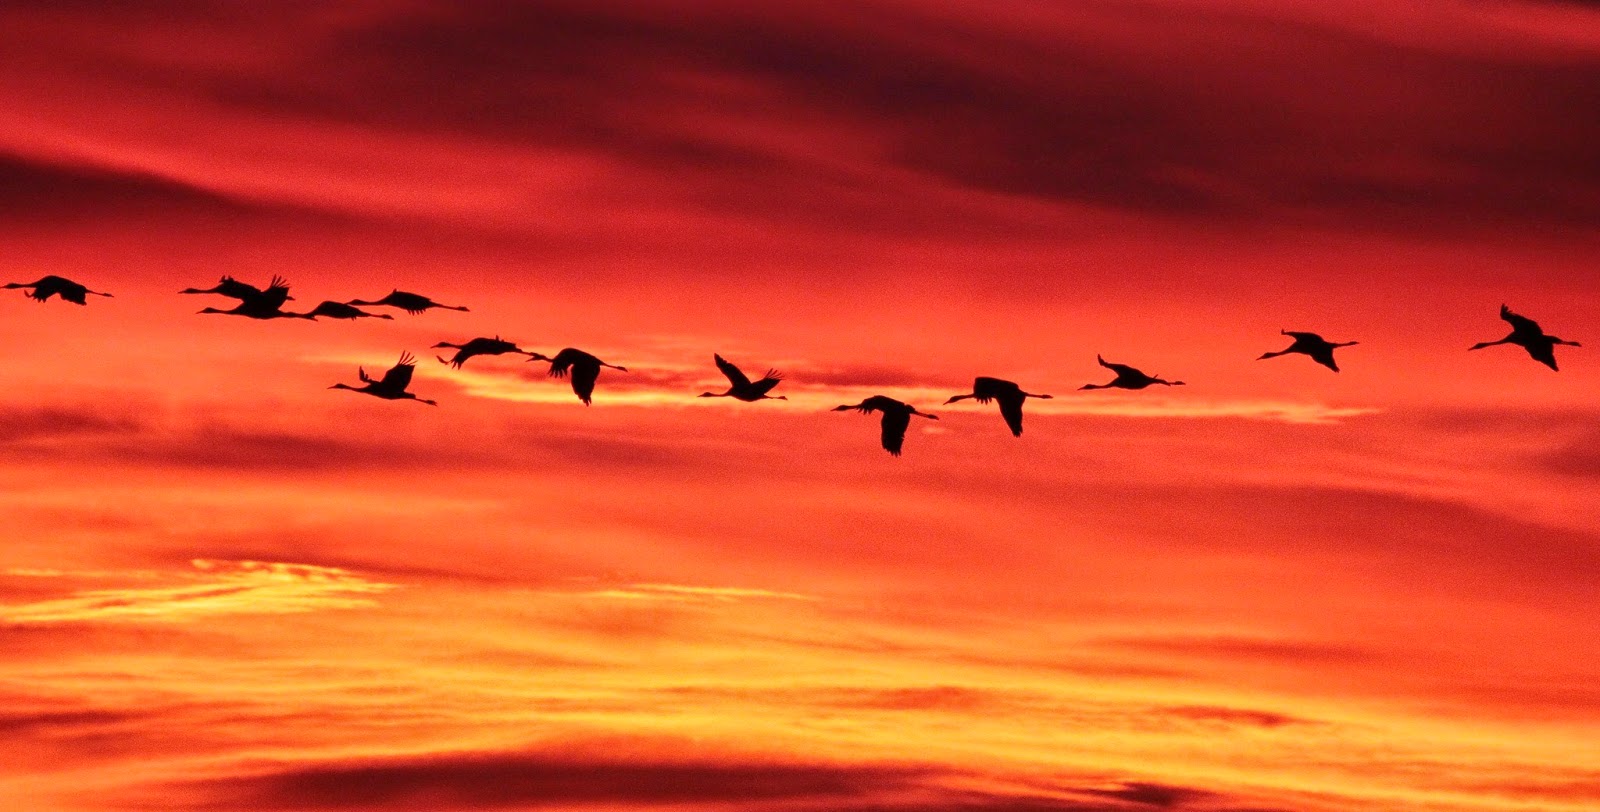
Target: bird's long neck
point(1032, 395)
point(1097, 386)
point(727, 394)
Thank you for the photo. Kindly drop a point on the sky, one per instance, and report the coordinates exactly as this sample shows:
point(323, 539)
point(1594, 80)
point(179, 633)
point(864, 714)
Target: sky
point(224, 586)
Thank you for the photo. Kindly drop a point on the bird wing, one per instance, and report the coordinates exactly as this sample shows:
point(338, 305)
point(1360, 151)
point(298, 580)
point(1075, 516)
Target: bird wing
point(1123, 370)
point(583, 378)
point(735, 377)
point(986, 389)
point(1544, 352)
point(1011, 410)
point(1309, 338)
point(765, 385)
point(1323, 354)
point(563, 361)
point(276, 294)
point(1520, 324)
point(233, 288)
point(399, 376)
point(895, 423)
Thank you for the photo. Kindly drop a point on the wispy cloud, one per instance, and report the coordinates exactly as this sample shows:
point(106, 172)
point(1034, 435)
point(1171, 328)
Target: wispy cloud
point(212, 588)
point(693, 594)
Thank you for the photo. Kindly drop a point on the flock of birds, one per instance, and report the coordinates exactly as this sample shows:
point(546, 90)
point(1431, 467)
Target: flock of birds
point(584, 369)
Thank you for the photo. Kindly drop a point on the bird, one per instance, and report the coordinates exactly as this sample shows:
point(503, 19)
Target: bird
point(413, 303)
point(479, 346)
point(741, 387)
point(585, 370)
point(896, 418)
point(392, 386)
point(228, 286)
point(1527, 334)
point(340, 310)
point(1128, 378)
point(265, 304)
point(53, 285)
point(1320, 349)
point(1007, 393)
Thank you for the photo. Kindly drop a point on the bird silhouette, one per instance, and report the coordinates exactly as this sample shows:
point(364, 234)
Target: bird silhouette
point(392, 386)
point(480, 346)
point(413, 303)
point(741, 387)
point(896, 418)
point(585, 370)
point(264, 304)
point(1320, 349)
point(1527, 334)
point(228, 286)
point(1127, 378)
point(53, 285)
point(340, 310)
point(1007, 393)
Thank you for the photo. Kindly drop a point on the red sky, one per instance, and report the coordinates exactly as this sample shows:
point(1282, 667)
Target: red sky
point(224, 586)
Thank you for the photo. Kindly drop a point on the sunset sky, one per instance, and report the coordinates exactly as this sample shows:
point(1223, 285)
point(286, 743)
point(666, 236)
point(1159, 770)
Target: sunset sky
point(1275, 589)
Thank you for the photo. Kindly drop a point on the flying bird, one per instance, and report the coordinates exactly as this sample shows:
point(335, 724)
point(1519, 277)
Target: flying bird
point(1127, 378)
point(413, 303)
point(53, 285)
point(263, 304)
point(1320, 349)
point(896, 418)
point(392, 386)
point(340, 310)
point(228, 286)
point(1527, 334)
point(585, 370)
point(479, 346)
point(1007, 393)
point(741, 387)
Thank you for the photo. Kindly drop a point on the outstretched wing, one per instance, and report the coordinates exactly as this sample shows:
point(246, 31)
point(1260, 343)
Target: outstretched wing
point(233, 288)
point(399, 376)
point(735, 377)
point(1544, 352)
point(276, 294)
point(1122, 370)
point(583, 378)
point(765, 385)
point(895, 423)
point(1308, 338)
point(562, 362)
point(1323, 354)
point(1011, 410)
point(1520, 324)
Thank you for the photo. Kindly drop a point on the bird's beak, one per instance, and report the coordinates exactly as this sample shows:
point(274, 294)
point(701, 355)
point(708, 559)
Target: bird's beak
point(950, 401)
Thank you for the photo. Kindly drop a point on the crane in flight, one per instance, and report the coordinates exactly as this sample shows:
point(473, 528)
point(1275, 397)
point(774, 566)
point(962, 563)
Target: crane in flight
point(53, 285)
point(479, 346)
point(1319, 348)
point(740, 387)
point(896, 418)
point(585, 369)
point(233, 288)
point(1527, 334)
point(413, 303)
point(393, 384)
point(262, 304)
point(1127, 378)
point(1009, 395)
